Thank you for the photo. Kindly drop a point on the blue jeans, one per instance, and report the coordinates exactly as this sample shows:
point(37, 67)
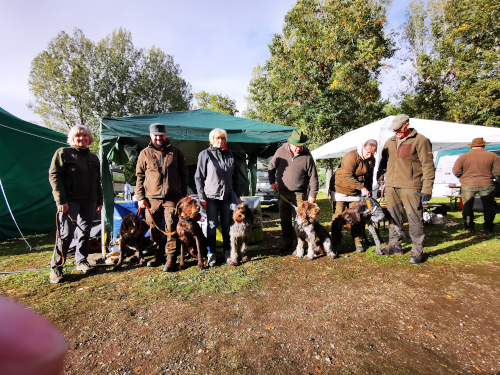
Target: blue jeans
point(214, 208)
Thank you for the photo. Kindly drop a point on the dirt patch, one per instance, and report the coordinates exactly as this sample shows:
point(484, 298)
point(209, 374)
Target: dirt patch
point(322, 316)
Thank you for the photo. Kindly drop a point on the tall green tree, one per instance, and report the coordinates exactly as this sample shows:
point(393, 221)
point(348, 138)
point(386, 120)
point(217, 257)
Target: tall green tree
point(76, 81)
point(216, 103)
point(458, 79)
point(62, 83)
point(323, 69)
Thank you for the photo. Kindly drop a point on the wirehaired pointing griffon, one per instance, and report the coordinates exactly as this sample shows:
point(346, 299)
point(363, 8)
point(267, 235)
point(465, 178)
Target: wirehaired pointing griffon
point(369, 211)
point(189, 231)
point(131, 239)
point(240, 233)
point(311, 233)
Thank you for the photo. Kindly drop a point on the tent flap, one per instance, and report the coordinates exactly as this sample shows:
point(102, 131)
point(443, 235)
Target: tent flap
point(27, 151)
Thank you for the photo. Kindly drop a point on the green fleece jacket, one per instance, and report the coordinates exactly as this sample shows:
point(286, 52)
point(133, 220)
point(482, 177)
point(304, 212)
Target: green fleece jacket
point(410, 165)
point(74, 175)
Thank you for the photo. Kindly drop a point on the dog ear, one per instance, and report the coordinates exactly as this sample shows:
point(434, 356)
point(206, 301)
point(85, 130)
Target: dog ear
point(177, 207)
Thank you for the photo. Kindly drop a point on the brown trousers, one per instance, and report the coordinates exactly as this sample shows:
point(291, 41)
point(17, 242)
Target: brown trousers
point(163, 209)
point(397, 198)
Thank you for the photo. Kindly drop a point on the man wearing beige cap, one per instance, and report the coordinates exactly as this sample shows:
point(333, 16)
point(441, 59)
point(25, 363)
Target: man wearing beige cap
point(409, 176)
point(476, 170)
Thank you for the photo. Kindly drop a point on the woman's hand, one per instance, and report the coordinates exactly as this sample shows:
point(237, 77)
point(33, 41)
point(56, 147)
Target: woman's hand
point(63, 208)
point(203, 203)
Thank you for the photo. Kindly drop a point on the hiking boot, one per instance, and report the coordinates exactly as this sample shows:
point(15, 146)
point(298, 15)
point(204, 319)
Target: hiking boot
point(155, 262)
point(171, 265)
point(360, 248)
point(56, 275)
point(397, 250)
point(211, 260)
point(416, 259)
point(85, 267)
point(489, 228)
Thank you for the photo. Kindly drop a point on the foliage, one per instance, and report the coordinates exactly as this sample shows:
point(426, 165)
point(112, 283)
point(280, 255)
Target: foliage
point(322, 74)
point(457, 76)
point(76, 81)
point(216, 103)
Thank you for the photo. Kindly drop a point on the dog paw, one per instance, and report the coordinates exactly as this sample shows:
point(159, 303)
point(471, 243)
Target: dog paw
point(332, 255)
point(245, 259)
point(234, 264)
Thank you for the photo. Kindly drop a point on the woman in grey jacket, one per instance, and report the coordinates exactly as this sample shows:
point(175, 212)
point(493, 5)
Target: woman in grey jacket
point(216, 183)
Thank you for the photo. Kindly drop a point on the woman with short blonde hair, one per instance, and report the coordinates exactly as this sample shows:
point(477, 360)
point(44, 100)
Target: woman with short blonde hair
point(74, 175)
point(217, 185)
point(77, 130)
point(217, 133)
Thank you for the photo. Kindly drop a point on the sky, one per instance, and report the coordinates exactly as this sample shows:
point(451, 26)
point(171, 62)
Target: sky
point(216, 43)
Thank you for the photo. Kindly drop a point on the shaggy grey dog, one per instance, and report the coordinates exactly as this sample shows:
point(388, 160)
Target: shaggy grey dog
point(311, 233)
point(240, 234)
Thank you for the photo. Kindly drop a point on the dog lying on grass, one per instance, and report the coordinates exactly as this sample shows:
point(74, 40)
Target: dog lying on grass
point(240, 233)
point(191, 235)
point(311, 233)
point(131, 239)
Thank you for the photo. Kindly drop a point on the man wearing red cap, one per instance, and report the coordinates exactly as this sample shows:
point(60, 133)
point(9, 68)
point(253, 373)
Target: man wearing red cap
point(476, 170)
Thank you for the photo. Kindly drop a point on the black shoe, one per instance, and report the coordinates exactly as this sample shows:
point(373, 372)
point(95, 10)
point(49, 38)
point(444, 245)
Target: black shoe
point(393, 249)
point(416, 259)
point(286, 249)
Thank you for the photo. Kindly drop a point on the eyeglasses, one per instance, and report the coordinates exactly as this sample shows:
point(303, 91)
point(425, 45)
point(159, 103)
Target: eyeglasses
point(400, 130)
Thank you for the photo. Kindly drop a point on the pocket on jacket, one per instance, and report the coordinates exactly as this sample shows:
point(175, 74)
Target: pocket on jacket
point(404, 150)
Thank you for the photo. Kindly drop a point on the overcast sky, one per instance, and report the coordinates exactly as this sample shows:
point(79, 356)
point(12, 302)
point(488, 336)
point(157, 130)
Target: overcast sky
point(216, 43)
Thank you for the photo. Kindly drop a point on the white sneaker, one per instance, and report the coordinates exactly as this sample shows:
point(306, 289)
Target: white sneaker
point(211, 259)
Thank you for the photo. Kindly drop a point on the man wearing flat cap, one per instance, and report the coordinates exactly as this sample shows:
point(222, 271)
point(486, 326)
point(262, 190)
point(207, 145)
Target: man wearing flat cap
point(409, 176)
point(291, 172)
point(162, 178)
point(476, 170)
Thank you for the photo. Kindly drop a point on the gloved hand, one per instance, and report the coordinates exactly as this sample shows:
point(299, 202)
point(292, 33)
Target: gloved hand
point(425, 197)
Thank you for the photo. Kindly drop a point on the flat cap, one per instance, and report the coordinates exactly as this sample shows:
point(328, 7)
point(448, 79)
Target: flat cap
point(399, 121)
point(157, 129)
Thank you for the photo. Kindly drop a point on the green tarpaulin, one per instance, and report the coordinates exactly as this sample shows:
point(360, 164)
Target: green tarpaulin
point(26, 152)
point(123, 137)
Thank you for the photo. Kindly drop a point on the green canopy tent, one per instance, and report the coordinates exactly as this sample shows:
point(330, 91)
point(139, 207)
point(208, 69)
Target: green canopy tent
point(124, 137)
point(26, 151)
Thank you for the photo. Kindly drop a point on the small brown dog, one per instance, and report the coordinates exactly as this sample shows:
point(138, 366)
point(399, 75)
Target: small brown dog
point(240, 233)
point(189, 231)
point(312, 233)
point(131, 239)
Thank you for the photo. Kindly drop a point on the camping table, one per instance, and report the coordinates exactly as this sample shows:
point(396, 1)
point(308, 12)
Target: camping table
point(455, 197)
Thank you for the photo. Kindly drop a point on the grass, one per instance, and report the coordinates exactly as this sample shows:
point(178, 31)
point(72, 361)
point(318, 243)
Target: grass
point(445, 244)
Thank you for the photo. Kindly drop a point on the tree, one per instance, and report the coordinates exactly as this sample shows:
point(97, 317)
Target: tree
point(216, 103)
point(76, 81)
point(62, 84)
point(322, 74)
point(458, 78)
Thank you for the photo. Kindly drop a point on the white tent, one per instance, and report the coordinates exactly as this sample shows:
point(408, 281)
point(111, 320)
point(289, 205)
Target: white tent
point(443, 136)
